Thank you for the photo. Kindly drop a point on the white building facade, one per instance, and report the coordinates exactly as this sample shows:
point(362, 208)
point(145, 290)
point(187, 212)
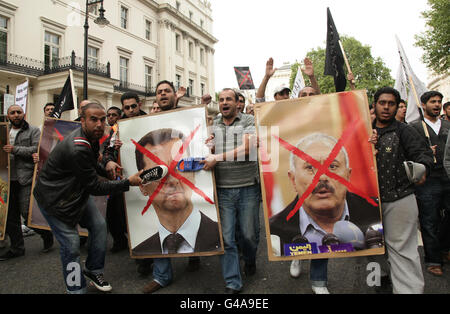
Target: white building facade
point(145, 42)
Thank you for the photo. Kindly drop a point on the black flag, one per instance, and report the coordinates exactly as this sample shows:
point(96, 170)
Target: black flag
point(244, 78)
point(65, 100)
point(334, 60)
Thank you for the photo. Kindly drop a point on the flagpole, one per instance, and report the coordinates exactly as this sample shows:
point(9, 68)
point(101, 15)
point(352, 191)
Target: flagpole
point(425, 129)
point(352, 82)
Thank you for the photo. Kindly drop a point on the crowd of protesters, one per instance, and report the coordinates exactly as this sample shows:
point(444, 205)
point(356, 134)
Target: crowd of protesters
point(69, 179)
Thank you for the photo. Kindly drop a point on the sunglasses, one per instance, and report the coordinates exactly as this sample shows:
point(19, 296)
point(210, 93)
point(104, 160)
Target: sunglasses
point(133, 106)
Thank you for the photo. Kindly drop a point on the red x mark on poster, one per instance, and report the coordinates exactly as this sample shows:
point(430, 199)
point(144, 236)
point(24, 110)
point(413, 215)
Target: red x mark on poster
point(245, 77)
point(172, 171)
point(323, 168)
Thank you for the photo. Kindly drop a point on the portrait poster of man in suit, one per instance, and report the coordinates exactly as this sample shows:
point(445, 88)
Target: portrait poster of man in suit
point(53, 132)
point(319, 177)
point(180, 204)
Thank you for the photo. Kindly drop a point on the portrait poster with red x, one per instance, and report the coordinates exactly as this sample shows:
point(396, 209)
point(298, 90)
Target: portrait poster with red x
point(4, 179)
point(174, 214)
point(319, 177)
point(54, 131)
point(244, 78)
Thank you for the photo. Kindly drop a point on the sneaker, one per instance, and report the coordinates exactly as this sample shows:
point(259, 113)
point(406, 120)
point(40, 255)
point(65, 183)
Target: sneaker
point(320, 290)
point(98, 281)
point(190, 164)
point(296, 268)
point(154, 174)
point(27, 232)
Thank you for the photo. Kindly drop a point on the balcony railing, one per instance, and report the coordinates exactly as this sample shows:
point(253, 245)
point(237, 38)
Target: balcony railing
point(139, 89)
point(29, 66)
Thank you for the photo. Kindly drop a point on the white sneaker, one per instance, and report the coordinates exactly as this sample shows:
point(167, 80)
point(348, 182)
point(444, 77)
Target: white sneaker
point(296, 268)
point(320, 290)
point(27, 231)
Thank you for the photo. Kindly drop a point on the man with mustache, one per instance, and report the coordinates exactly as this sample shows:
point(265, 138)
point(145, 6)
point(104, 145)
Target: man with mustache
point(328, 203)
point(23, 143)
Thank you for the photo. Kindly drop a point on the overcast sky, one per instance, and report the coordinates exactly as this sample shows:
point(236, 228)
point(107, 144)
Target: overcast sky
point(251, 31)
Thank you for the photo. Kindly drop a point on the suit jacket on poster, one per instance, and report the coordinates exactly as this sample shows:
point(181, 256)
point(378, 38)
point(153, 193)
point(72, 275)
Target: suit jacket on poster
point(208, 239)
point(361, 214)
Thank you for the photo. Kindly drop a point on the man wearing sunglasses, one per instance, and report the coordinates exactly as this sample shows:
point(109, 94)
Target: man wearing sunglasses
point(131, 105)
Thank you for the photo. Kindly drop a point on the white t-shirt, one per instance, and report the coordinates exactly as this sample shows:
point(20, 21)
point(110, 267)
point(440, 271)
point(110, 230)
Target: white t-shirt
point(12, 169)
point(436, 126)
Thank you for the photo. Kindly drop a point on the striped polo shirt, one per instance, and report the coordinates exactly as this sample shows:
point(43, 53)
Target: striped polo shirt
point(235, 173)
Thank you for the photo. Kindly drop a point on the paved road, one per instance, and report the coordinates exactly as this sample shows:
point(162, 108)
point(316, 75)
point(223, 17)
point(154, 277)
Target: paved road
point(39, 273)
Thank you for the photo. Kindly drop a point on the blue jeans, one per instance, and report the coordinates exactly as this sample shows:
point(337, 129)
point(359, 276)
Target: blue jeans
point(318, 272)
point(162, 271)
point(238, 204)
point(69, 241)
point(432, 197)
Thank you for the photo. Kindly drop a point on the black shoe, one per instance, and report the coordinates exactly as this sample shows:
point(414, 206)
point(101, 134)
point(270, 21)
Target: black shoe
point(154, 174)
point(194, 264)
point(145, 267)
point(48, 244)
point(98, 281)
point(231, 291)
point(10, 254)
point(118, 247)
point(249, 269)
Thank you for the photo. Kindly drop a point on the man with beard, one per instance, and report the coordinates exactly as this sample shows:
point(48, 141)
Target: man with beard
point(23, 143)
point(328, 203)
point(434, 195)
point(399, 142)
point(62, 191)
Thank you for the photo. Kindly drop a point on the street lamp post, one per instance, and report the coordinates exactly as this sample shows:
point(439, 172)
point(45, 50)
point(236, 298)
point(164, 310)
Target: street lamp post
point(101, 21)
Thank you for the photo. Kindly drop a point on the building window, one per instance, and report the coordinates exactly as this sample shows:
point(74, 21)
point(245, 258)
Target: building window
point(148, 77)
point(178, 5)
point(177, 81)
point(124, 62)
point(124, 17)
point(51, 49)
point(92, 57)
point(202, 23)
point(202, 88)
point(3, 38)
point(191, 15)
point(191, 87)
point(148, 30)
point(178, 42)
point(93, 9)
point(191, 50)
point(202, 56)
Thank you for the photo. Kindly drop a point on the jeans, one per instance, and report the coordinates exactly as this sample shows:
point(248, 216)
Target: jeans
point(162, 271)
point(69, 241)
point(318, 273)
point(432, 197)
point(242, 205)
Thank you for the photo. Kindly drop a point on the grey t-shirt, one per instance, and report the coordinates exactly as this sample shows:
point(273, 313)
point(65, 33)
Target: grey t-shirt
point(236, 173)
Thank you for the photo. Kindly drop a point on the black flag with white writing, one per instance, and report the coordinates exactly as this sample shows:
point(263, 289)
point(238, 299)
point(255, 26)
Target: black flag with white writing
point(334, 60)
point(244, 78)
point(65, 100)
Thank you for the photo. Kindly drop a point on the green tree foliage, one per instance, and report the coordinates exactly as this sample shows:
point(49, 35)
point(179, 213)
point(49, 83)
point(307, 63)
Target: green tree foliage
point(435, 41)
point(370, 73)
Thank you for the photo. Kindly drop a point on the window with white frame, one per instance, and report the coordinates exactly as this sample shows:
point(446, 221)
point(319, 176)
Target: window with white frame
point(191, 87)
point(148, 30)
point(148, 77)
point(3, 38)
point(92, 57)
point(191, 50)
point(51, 49)
point(124, 17)
point(202, 89)
point(124, 65)
point(202, 56)
point(177, 81)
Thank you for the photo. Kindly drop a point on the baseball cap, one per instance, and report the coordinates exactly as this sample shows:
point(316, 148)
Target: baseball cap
point(281, 88)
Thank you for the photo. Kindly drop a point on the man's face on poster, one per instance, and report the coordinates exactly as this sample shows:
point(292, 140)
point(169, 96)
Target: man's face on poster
point(174, 195)
point(328, 196)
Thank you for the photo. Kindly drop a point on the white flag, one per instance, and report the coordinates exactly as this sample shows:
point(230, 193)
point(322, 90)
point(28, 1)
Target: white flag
point(415, 90)
point(299, 84)
point(401, 82)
